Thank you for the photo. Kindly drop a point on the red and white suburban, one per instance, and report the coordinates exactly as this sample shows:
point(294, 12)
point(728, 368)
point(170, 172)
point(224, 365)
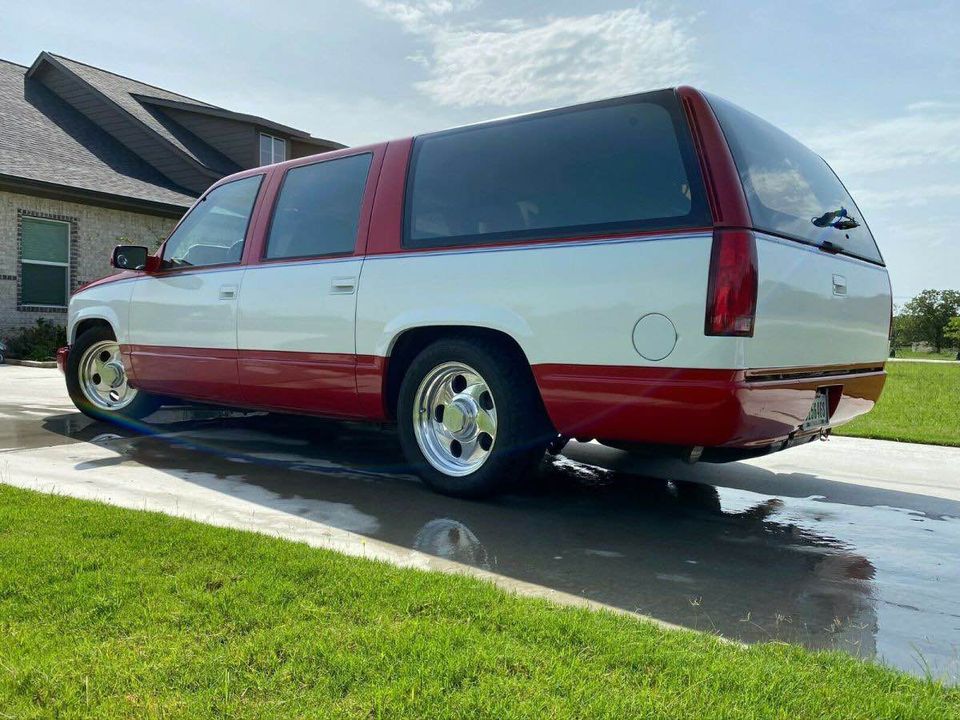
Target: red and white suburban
point(660, 271)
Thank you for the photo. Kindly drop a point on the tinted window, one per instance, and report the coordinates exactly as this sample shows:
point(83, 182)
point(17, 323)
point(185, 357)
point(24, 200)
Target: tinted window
point(608, 167)
point(788, 186)
point(214, 231)
point(318, 210)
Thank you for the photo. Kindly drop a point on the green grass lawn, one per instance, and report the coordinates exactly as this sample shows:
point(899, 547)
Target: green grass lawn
point(920, 403)
point(112, 613)
point(907, 353)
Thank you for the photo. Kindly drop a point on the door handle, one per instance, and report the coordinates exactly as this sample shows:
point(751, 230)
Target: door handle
point(839, 285)
point(228, 292)
point(343, 285)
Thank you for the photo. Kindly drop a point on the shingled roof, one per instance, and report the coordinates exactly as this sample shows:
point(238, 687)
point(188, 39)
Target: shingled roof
point(45, 140)
point(65, 124)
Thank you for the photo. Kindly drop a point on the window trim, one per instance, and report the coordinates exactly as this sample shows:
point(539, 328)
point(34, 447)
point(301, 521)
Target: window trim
point(246, 234)
point(699, 217)
point(273, 138)
point(68, 265)
point(265, 246)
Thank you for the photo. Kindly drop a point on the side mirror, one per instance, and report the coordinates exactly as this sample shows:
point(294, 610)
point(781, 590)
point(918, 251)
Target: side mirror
point(130, 257)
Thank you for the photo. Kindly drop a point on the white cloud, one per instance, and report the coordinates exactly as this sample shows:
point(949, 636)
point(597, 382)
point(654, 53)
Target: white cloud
point(908, 197)
point(418, 15)
point(514, 62)
point(928, 134)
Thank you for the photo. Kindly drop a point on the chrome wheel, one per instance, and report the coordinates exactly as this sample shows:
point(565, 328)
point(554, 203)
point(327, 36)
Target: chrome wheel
point(455, 419)
point(102, 377)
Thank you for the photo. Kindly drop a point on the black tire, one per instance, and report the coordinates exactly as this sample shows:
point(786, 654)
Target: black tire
point(141, 406)
point(523, 430)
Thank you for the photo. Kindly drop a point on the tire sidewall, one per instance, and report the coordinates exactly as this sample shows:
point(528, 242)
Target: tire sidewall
point(141, 406)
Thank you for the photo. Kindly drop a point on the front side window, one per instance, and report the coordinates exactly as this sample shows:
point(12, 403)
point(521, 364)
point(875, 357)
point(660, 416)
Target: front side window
point(214, 231)
point(790, 189)
point(272, 149)
point(318, 209)
point(44, 262)
point(607, 167)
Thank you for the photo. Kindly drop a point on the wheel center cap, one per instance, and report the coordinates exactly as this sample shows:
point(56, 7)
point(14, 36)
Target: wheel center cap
point(112, 374)
point(459, 415)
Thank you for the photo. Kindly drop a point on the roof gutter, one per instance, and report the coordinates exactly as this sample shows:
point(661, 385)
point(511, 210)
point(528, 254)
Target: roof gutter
point(40, 188)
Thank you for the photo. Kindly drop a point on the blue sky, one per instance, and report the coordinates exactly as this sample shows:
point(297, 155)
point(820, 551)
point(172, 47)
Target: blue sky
point(873, 86)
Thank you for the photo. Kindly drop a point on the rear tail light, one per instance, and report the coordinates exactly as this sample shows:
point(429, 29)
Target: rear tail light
point(732, 287)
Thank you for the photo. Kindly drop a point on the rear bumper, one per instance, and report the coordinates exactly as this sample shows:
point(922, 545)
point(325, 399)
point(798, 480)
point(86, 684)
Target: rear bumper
point(697, 407)
point(62, 355)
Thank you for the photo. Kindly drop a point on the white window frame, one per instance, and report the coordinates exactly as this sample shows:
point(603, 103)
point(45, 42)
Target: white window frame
point(24, 261)
point(273, 144)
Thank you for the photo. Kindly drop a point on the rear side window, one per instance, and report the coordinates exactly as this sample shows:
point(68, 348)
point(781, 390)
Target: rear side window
point(790, 189)
point(318, 209)
point(616, 166)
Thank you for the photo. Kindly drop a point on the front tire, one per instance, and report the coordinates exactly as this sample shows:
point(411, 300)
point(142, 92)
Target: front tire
point(470, 418)
point(97, 380)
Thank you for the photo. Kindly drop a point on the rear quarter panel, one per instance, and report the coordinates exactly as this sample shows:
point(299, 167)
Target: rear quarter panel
point(569, 302)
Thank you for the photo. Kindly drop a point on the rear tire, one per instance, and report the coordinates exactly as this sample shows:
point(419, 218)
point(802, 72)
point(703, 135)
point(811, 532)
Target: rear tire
point(470, 418)
point(96, 380)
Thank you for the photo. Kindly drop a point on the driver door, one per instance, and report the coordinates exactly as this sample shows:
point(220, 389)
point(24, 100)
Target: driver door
point(183, 318)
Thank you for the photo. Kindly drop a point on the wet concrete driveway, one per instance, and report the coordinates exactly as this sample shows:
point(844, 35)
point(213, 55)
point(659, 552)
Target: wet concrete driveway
point(816, 546)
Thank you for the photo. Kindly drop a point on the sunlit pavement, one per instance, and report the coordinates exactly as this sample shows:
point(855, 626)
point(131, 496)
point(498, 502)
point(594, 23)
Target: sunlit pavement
point(849, 544)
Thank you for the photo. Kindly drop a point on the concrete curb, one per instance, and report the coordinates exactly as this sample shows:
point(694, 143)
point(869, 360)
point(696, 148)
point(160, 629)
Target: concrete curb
point(925, 360)
point(32, 363)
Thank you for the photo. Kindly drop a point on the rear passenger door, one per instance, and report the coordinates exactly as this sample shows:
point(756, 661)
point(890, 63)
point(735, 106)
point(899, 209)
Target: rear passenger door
point(295, 332)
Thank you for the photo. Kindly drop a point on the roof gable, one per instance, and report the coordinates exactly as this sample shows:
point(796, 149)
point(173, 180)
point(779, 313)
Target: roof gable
point(188, 143)
point(43, 139)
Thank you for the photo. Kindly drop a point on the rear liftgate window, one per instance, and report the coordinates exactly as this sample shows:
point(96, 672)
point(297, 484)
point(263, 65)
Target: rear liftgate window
point(790, 189)
point(605, 167)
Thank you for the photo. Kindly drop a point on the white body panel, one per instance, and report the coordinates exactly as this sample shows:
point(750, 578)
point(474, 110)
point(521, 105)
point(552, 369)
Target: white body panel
point(186, 309)
point(578, 303)
point(300, 307)
point(802, 319)
point(109, 301)
point(567, 302)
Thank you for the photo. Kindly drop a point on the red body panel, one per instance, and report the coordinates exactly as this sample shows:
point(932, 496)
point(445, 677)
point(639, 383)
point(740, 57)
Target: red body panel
point(323, 383)
point(313, 383)
point(196, 373)
point(724, 189)
point(62, 355)
point(674, 406)
point(711, 408)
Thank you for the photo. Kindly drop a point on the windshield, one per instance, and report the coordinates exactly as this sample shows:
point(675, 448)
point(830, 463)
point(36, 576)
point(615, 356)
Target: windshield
point(790, 189)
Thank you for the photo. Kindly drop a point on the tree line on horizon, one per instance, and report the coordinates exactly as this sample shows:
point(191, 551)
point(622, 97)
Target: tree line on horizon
point(932, 316)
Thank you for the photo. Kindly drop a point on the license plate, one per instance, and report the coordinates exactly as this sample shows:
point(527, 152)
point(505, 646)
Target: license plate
point(819, 414)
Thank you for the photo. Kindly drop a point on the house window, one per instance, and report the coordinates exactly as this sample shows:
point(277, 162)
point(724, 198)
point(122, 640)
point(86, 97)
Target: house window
point(44, 262)
point(272, 149)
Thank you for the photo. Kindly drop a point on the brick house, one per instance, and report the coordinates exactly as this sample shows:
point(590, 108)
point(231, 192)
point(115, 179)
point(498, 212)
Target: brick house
point(89, 159)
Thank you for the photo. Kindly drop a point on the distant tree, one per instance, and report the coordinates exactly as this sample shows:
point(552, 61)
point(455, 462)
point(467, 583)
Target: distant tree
point(904, 330)
point(929, 313)
point(951, 332)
